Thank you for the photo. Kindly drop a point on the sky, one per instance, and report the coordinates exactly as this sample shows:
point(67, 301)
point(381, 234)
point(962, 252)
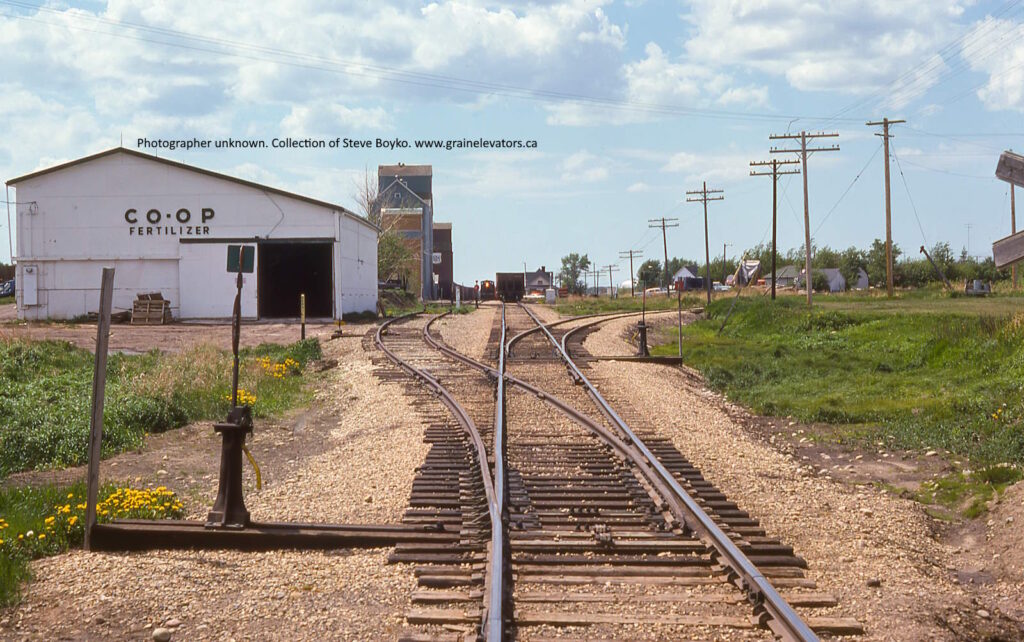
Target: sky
point(631, 103)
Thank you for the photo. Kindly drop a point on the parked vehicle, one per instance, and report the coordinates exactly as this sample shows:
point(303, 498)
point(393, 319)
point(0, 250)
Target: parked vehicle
point(7, 288)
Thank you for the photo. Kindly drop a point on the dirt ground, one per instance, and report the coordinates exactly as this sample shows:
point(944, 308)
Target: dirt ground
point(350, 458)
point(174, 337)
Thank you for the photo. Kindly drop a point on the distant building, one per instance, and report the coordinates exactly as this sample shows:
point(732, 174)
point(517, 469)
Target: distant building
point(539, 280)
point(786, 276)
point(444, 270)
point(405, 196)
point(686, 272)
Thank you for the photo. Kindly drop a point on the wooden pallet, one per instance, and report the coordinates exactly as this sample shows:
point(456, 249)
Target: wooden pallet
point(151, 309)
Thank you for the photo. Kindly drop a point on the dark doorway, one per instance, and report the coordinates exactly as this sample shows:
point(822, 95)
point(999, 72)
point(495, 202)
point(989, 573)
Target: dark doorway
point(286, 270)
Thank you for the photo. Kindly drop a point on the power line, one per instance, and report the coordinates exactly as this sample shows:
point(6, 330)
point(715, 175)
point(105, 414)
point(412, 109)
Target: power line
point(222, 46)
point(664, 223)
point(847, 191)
point(704, 195)
point(804, 152)
point(909, 197)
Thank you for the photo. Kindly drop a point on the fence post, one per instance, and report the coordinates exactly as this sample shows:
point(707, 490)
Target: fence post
point(99, 384)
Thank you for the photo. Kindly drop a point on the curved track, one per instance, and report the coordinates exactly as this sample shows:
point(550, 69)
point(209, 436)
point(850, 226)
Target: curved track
point(618, 522)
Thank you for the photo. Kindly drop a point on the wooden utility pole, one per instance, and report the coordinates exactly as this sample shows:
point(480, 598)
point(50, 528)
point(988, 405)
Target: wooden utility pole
point(1013, 230)
point(611, 282)
point(775, 173)
point(885, 122)
point(631, 254)
point(803, 137)
point(704, 195)
point(663, 223)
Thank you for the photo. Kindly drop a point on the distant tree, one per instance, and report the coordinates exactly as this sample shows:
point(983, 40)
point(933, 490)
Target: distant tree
point(763, 252)
point(649, 273)
point(876, 262)
point(819, 282)
point(851, 262)
point(573, 266)
point(825, 257)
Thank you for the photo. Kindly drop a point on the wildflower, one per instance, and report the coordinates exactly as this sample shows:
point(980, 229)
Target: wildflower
point(72, 520)
point(42, 535)
point(70, 495)
point(49, 520)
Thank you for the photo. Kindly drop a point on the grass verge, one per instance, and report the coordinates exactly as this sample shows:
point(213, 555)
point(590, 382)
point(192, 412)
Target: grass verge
point(901, 377)
point(41, 521)
point(45, 390)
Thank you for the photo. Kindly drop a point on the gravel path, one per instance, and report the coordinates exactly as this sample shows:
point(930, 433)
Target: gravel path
point(365, 475)
point(849, 535)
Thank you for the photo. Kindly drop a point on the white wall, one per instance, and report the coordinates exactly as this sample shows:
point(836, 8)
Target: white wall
point(72, 222)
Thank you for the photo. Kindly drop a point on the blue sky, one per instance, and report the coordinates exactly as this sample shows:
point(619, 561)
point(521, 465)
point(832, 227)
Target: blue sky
point(631, 103)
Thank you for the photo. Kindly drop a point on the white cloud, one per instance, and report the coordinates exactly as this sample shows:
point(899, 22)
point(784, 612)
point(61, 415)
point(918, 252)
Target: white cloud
point(1003, 64)
point(853, 46)
point(715, 168)
point(639, 186)
point(584, 167)
point(326, 119)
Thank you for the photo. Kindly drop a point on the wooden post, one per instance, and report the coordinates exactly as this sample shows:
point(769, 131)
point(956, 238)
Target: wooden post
point(99, 384)
point(679, 304)
point(1013, 230)
point(302, 315)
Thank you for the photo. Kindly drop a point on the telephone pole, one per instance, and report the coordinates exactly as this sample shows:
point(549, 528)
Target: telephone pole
point(704, 195)
point(775, 173)
point(803, 137)
point(631, 254)
point(611, 282)
point(663, 223)
point(968, 226)
point(1013, 230)
point(885, 122)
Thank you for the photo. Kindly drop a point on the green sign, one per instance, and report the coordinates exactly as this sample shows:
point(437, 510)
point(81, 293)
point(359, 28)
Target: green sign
point(248, 253)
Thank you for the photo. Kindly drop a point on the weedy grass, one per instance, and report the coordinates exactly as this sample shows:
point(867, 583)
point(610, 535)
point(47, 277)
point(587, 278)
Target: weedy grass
point(901, 374)
point(45, 389)
point(5, 300)
point(46, 520)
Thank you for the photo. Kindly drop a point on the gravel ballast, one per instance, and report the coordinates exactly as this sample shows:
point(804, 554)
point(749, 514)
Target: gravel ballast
point(873, 551)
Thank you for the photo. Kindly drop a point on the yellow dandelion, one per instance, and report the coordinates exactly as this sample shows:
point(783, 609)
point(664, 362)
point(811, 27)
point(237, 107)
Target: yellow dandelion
point(42, 535)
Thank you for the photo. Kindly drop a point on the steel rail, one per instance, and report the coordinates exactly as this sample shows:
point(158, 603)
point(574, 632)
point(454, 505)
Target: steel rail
point(493, 610)
point(784, 621)
point(500, 553)
point(605, 316)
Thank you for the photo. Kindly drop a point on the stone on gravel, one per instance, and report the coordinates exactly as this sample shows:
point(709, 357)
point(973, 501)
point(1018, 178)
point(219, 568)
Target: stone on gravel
point(161, 634)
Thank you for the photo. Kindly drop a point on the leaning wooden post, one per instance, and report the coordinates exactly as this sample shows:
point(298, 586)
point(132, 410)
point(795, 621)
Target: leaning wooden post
point(99, 384)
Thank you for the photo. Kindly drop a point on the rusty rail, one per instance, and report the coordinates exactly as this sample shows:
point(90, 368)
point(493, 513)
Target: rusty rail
point(492, 623)
point(783, 620)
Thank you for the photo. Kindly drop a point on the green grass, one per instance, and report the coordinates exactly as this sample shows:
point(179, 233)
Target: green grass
point(968, 493)
point(46, 520)
point(45, 390)
point(919, 373)
point(578, 305)
point(5, 300)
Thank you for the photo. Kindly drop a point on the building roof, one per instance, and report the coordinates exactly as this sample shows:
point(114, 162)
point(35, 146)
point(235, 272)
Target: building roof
point(786, 272)
point(442, 226)
point(191, 168)
point(402, 169)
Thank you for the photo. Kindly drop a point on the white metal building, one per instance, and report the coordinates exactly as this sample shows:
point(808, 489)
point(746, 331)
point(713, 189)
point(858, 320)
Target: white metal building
point(165, 226)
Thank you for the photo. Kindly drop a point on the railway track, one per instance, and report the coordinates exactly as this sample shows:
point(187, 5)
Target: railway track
point(608, 531)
